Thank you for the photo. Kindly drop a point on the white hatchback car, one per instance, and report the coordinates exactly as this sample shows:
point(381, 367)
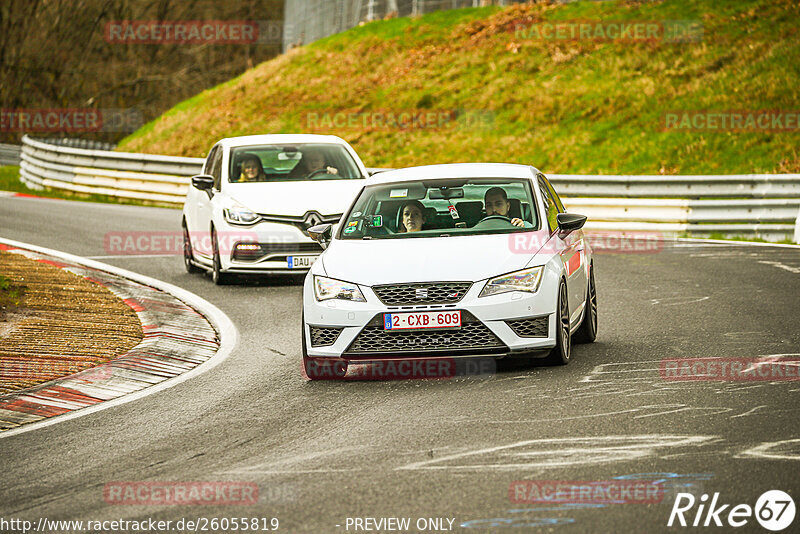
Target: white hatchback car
point(250, 209)
point(445, 261)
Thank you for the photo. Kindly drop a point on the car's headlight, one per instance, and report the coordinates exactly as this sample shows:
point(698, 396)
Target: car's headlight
point(526, 280)
point(328, 288)
point(237, 214)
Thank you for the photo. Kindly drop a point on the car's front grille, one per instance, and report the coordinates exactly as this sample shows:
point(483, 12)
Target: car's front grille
point(323, 336)
point(253, 253)
point(422, 293)
point(535, 327)
point(473, 335)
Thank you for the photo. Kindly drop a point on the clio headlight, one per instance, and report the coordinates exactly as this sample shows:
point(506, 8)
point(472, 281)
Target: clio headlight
point(237, 214)
point(527, 280)
point(328, 288)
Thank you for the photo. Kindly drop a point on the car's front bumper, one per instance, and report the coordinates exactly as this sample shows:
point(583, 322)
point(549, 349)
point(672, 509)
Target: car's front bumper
point(278, 242)
point(356, 332)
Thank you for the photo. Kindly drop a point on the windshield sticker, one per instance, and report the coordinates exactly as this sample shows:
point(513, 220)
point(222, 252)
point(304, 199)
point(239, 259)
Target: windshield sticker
point(350, 229)
point(377, 221)
point(398, 193)
point(352, 223)
point(357, 214)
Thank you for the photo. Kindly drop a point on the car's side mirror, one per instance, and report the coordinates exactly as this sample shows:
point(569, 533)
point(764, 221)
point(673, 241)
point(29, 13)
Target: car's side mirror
point(321, 233)
point(203, 182)
point(569, 222)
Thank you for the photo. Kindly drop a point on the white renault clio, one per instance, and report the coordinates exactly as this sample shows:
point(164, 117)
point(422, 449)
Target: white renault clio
point(250, 209)
point(446, 261)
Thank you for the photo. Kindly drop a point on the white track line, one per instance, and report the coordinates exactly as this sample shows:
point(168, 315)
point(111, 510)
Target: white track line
point(225, 328)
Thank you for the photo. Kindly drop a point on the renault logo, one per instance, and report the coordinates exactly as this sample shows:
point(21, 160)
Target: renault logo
point(311, 218)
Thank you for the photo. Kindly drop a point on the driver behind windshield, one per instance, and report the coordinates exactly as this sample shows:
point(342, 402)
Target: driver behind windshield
point(312, 163)
point(496, 202)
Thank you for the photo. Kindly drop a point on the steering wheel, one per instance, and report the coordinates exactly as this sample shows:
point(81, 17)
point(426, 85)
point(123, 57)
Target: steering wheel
point(318, 171)
point(495, 218)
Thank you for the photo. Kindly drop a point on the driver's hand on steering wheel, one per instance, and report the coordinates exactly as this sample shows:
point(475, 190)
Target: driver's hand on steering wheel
point(517, 222)
point(332, 170)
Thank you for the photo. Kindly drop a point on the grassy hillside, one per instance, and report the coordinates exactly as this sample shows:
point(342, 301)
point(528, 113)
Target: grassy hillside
point(566, 106)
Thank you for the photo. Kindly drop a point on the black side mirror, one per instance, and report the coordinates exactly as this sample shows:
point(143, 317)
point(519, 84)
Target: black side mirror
point(569, 222)
point(321, 233)
point(203, 182)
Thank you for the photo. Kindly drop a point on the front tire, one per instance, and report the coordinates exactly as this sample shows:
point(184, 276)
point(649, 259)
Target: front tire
point(587, 331)
point(219, 278)
point(188, 256)
point(560, 354)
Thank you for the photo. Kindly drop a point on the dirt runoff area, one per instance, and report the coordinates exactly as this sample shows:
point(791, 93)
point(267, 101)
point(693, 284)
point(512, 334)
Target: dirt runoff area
point(55, 323)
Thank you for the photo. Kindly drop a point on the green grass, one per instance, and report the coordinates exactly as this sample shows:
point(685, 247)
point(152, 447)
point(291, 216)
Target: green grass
point(579, 107)
point(10, 181)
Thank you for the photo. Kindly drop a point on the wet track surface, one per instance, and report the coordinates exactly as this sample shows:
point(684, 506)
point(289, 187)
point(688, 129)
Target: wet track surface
point(321, 452)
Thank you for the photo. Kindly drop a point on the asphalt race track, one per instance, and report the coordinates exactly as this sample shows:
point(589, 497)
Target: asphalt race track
point(325, 451)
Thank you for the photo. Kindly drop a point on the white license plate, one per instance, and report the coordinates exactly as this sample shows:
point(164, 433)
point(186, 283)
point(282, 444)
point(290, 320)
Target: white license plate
point(420, 320)
point(301, 262)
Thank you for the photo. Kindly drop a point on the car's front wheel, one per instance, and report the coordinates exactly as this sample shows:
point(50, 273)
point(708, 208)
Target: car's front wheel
point(217, 275)
point(587, 331)
point(560, 354)
point(188, 256)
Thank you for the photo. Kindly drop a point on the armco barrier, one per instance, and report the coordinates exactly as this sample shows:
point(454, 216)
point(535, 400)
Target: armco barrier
point(9, 154)
point(766, 206)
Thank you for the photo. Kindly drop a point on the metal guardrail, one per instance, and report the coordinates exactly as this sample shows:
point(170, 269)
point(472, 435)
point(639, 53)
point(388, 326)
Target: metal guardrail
point(753, 205)
point(9, 154)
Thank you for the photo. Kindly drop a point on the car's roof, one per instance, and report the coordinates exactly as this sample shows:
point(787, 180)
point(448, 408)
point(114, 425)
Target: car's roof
point(268, 139)
point(454, 170)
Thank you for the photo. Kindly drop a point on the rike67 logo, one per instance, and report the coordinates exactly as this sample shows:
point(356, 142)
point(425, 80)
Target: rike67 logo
point(774, 510)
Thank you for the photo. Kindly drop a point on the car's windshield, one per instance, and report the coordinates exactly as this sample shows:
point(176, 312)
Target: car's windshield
point(285, 162)
point(432, 208)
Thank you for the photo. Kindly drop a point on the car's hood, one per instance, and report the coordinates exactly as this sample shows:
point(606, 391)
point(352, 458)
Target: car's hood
point(327, 197)
point(388, 261)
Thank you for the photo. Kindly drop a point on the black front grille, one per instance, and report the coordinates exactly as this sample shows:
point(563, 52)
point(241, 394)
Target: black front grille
point(322, 336)
point(535, 327)
point(422, 293)
point(473, 335)
point(265, 249)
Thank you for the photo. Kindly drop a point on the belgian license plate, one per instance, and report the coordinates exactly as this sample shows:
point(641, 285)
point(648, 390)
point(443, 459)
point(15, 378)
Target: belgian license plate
point(301, 262)
point(421, 320)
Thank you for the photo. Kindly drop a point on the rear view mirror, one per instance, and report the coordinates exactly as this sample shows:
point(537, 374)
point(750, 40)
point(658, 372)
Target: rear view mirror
point(321, 233)
point(203, 182)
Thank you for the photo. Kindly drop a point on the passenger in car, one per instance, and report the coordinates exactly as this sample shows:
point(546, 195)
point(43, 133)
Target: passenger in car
point(252, 171)
point(496, 202)
point(412, 216)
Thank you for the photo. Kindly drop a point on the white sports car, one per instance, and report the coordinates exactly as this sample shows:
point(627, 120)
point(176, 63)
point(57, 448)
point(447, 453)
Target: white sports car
point(250, 209)
point(447, 261)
